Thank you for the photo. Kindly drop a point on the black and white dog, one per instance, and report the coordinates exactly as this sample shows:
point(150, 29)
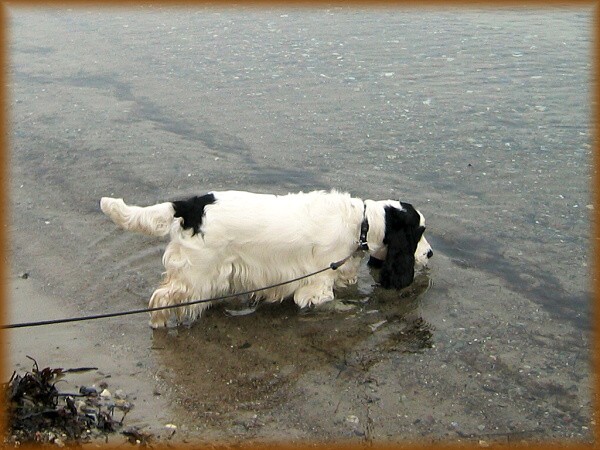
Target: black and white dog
point(232, 241)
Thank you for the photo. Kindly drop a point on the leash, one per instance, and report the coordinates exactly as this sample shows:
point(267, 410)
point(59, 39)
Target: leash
point(332, 266)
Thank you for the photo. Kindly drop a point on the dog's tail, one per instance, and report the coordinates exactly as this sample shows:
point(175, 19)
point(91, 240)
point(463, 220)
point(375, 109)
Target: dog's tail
point(154, 220)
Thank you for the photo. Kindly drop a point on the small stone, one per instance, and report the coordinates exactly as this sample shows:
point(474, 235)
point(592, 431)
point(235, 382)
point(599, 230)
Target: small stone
point(24, 275)
point(343, 307)
point(88, 391)
point(123, 405)
point(80, 405)
point(171, 428)
point(120, 394)
point(484, 443)
point(58, 442)
point(105, 394)
point(374, 326)
point(481, 427)
point(352, 419)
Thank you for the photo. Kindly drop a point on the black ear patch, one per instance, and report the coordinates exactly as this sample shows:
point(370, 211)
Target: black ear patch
point(192, 211)
point(375, 263)
point(402, 235)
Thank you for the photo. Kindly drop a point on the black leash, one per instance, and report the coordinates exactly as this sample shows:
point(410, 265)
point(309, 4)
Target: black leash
point(332, 266)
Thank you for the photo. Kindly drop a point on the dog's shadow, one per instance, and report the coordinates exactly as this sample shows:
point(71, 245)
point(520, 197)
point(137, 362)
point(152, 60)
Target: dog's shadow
point(226, 362)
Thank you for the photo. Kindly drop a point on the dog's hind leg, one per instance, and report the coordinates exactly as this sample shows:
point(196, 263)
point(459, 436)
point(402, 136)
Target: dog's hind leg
point(170, 293)
point(163, 296)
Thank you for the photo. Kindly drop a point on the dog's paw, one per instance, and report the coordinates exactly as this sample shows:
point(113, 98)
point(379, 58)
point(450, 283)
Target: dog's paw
point(159, 299)
point(311, 295)
point(345, 282)
point(323, 298)
point(157, 321)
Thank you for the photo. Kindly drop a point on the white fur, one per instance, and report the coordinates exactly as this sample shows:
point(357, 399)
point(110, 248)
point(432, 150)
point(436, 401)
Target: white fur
point(249, 241)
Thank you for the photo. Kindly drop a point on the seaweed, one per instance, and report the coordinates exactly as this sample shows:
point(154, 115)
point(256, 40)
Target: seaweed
point(38, 412)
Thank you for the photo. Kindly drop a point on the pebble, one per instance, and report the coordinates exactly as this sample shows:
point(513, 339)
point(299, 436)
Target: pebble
point(80, 405)
point(120, 394)
point(343, 307)
point(123, 405)
point(374, 326)
point(352, 419)
point(88, 391)
point(105, 394)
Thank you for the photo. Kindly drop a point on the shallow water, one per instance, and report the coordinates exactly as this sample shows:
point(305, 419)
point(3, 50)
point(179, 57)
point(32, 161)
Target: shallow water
point(480, 118)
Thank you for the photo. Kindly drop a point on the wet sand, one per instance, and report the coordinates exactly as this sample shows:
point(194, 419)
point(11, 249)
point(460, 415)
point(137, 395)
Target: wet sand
point(120, 363)
point(479, 120)
point(370, 367)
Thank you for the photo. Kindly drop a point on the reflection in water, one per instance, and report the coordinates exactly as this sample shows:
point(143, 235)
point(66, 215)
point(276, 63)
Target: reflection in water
point(259, 353)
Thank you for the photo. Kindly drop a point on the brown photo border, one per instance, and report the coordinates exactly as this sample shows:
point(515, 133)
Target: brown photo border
point(430, 4)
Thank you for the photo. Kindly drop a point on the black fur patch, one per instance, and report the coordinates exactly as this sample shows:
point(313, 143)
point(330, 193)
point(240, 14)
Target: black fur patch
point(192, 211)
point(375, 263)
point(402, 235)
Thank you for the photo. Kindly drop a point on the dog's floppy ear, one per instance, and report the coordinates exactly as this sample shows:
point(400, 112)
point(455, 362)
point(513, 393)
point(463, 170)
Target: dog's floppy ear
point(402, 235)
point(375, 263)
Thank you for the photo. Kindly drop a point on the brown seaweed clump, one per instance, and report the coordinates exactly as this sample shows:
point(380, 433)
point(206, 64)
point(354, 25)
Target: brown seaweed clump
point(38, 412)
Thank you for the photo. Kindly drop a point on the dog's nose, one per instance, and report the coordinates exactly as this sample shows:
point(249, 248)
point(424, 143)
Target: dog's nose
point(429, 253)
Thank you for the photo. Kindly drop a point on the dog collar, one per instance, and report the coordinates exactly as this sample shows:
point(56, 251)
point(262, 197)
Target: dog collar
point(364, 229)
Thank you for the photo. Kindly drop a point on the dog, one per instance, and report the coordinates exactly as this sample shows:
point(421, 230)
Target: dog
point(233, 241)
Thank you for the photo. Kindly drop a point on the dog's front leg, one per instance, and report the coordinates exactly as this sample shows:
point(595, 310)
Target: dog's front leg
point(317, 291)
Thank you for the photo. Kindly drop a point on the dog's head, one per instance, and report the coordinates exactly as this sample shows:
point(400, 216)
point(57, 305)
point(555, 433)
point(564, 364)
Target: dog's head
point(404, 246)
